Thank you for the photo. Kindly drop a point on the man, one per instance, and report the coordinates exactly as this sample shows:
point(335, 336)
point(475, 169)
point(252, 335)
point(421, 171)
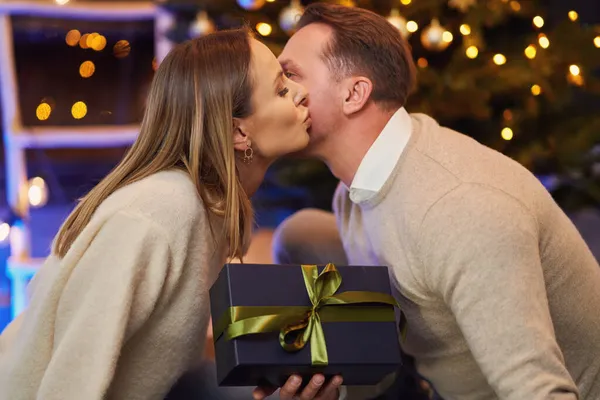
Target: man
point(500, 292)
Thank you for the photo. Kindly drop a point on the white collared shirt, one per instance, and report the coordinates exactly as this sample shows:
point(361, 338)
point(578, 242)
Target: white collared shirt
point(377, 165)
point(379, 162)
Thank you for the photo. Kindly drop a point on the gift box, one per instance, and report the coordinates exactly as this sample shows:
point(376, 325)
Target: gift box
point(272, 321)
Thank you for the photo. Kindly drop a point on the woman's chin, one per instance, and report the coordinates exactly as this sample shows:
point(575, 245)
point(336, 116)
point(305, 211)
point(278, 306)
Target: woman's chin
point(306, 138)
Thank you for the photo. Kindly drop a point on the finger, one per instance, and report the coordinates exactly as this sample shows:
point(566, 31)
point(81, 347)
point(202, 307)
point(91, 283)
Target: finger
point(261, 393)
point(331, 390)
point(313, 387)
point(288, 391)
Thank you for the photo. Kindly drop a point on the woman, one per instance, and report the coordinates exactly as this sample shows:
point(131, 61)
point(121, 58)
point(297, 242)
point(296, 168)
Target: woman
point(120, 307)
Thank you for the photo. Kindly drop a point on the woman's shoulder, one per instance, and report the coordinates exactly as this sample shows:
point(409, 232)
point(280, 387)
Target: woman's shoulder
point(167, 198)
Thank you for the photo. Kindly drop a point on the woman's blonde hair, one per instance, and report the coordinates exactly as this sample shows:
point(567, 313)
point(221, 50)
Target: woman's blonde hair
point(198, 89)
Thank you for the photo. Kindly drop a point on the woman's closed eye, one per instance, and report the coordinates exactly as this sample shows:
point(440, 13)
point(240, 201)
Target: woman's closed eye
point(283, 92)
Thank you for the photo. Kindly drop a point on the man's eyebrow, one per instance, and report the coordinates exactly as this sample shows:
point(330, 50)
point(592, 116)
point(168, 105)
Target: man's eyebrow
point(288, 64)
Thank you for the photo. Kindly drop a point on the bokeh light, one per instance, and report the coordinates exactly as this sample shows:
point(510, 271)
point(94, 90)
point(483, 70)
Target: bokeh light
point(79, 110)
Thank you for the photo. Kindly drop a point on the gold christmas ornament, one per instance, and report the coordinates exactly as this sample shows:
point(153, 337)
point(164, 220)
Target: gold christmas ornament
point(251, 5)
point(202, 25)
point(462, 5)
point(290, 15)
point(435, 37)
point(121, 49)
point(399, 22)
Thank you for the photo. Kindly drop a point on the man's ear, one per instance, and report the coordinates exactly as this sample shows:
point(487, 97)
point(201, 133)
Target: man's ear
point(358, 91)
point(240, 135)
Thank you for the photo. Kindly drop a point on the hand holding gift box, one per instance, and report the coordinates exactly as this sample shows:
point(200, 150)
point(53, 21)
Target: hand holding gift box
point(265, 315)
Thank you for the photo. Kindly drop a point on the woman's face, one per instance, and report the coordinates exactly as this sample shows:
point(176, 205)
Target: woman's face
point(280, 119)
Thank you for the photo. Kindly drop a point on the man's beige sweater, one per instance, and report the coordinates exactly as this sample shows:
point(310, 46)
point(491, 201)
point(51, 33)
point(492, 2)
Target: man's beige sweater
point(502, 295)
point(125, 312)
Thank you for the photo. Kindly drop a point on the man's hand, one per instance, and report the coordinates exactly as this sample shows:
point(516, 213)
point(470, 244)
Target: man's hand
point(316, 389)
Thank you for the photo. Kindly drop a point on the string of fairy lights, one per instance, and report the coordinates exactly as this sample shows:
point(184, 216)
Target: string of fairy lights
point(437, 38)
point(434, 37)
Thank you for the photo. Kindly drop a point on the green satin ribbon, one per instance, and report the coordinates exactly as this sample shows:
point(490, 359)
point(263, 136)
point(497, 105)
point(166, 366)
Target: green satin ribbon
point(304, 322)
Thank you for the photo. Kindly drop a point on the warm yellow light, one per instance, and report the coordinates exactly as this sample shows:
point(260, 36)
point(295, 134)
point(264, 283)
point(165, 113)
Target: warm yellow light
point(447, 36)
point(61, 2)
point(465, 29)
point(98, 43)
point(538, 21)
point(37, 181)
point(270, 1)
point(597, 41)
point(72, 37)
point(507, 133)
point(573, 15)
point(412, 26)
point(576, 80)
point(499, 59)
point(530, 51)
point(406, 2)
point(543, 41)
point(37, 192)
point(264, 29)
point(422, 62)
point(574, 69)
point(515, 5)
point(536, 90)
point(87, 69)
point(83, 41)
point(79, 110)
point(472, 52)
point(43, 111)
point(90, 39)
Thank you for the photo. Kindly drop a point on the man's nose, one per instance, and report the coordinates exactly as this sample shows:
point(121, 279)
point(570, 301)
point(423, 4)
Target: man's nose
point(301, 97)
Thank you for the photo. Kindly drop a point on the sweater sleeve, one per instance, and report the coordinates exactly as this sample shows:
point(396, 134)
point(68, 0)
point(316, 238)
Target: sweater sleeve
point(479, 247)
point(109, 296)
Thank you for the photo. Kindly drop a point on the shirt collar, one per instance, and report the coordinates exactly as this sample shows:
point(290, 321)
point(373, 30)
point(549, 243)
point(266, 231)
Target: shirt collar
point(381, 158)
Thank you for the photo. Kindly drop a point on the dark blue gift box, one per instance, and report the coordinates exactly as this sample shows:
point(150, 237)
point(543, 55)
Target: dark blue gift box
point(362, 352)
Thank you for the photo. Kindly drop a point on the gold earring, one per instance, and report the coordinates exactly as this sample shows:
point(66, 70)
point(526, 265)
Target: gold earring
point(248, 153)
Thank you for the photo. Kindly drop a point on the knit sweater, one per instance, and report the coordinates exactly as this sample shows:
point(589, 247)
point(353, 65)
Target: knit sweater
point(125, 312)
point(500, 292)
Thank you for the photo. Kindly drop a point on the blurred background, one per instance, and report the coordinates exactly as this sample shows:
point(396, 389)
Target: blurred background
point(518, 76)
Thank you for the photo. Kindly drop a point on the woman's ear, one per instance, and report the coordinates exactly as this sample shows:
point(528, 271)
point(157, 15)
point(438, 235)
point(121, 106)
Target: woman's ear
point(240, 136)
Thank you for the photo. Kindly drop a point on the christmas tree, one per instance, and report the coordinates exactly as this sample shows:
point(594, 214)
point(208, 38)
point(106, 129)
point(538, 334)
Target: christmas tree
point(517, 76)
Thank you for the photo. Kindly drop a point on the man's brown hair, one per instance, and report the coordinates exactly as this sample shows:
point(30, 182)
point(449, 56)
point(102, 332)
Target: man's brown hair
point(366, 43)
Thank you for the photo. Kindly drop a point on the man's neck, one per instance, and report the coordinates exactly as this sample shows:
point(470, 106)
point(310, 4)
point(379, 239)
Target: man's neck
point(352, 142)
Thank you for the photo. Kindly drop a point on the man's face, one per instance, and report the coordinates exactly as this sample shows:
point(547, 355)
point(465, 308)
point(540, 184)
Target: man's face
point(303, 62)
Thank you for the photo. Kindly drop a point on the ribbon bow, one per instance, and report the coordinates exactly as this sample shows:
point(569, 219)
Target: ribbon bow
point(305, 321)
